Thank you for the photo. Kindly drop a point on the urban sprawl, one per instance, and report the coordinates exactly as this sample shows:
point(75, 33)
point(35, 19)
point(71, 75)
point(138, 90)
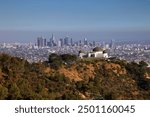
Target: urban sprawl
point(44, 47)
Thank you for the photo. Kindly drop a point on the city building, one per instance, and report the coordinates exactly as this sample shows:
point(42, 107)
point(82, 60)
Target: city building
point(66, 41)
point(71, 42)
point(61, 42)
point(112, 44)
point(41, 42)
point(52, 42)
point(85, 41)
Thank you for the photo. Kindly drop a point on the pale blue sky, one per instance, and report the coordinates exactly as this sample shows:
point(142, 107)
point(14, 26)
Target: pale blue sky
point(106, 16)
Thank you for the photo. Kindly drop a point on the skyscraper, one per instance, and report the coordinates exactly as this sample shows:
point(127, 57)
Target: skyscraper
point(52, 41)
point(85, 41)
point(45, 42)
point(112, 44)
point(66, 41)
point(80, 43)
point(71, 42)
point(41, 42)
point(61, 42)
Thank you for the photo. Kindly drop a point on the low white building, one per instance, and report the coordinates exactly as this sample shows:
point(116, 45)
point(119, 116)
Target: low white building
point(96, 53)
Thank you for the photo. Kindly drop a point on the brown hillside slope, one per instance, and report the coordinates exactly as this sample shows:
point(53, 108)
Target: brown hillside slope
point(80, 79)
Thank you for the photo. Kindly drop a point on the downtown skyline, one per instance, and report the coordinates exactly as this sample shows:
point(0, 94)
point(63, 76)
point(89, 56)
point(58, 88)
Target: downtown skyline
point(95, 19)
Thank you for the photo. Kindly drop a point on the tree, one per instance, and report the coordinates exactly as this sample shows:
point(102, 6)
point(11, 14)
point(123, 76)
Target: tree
point(55, 61)
point(68, 58)
point(143, 64)
point(3, 92)
point(14, 92)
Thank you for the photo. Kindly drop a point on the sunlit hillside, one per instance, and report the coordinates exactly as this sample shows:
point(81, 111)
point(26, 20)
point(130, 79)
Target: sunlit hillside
point(68, 77)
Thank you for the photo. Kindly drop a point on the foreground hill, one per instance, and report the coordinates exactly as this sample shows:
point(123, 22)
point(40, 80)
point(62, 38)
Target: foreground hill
point(67, 77)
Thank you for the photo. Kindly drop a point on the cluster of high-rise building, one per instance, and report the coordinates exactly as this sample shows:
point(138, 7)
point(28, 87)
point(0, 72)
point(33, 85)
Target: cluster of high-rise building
point(43, 42)
point(66, 41)
point(123, 50)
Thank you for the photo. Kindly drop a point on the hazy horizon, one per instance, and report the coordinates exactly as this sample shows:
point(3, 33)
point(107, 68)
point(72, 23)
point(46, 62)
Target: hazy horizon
point(99, 20)
point(31, 36)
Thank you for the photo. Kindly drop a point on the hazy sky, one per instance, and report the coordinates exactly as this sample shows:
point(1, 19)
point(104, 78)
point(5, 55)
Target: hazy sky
point(120, 19)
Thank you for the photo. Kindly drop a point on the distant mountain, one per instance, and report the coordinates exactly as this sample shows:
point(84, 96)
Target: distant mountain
point(68, 77)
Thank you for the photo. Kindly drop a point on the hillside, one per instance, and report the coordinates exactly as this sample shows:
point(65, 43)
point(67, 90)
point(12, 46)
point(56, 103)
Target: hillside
point(67, 77)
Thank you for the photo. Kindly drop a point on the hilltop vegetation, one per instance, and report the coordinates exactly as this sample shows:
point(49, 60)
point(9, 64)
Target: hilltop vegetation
point(67, 77)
